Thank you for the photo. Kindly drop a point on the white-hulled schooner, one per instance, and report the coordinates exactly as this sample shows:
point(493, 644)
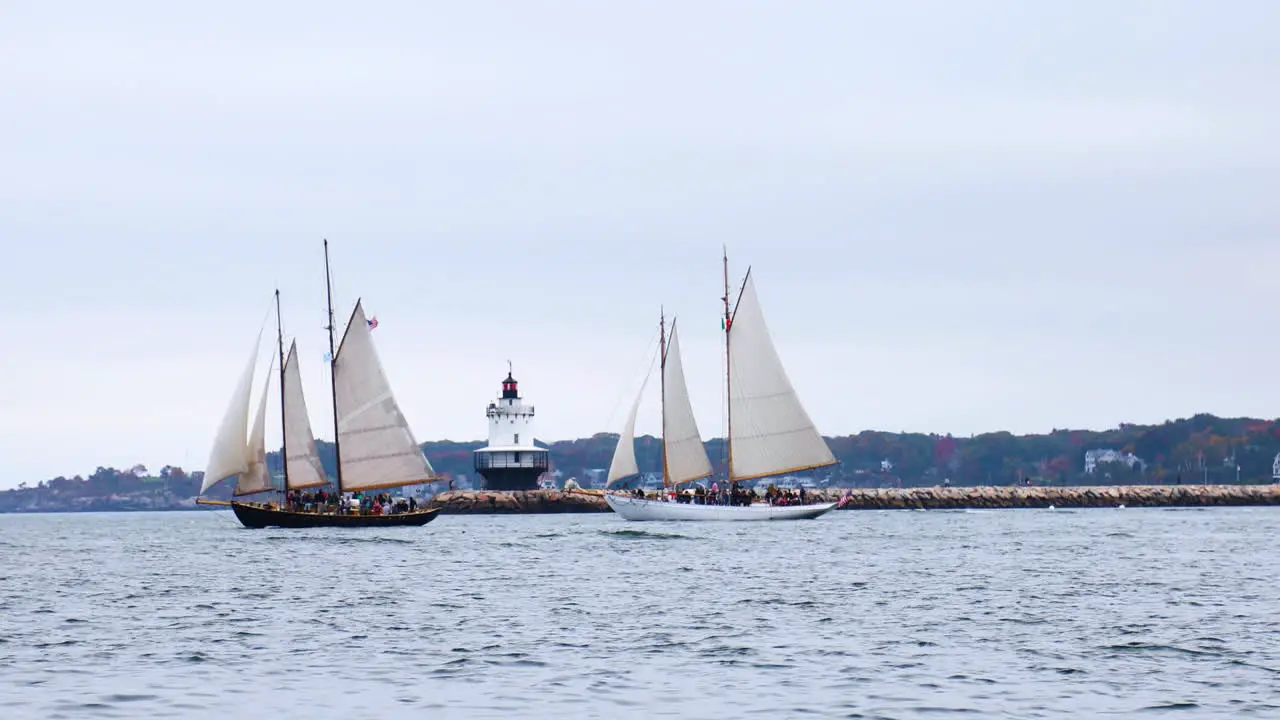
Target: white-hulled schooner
point(769, 431)
point(374, 447)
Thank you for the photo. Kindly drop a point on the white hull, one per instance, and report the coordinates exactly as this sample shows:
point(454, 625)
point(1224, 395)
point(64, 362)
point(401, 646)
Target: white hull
point(631, 508)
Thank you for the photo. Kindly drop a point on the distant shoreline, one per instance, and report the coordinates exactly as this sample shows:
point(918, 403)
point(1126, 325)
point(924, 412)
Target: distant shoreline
point(1203, 449)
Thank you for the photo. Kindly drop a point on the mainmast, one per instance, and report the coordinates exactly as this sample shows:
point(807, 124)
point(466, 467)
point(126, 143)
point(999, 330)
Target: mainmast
point(662, 377)
point(728, 363)
point(284, 424)
point(333, 366)
point(728, 376)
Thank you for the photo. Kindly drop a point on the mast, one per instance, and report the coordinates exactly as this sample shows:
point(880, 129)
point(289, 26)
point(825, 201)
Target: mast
point(728, 379)
point(333, 367)
point(284, 432)
point(662, 378)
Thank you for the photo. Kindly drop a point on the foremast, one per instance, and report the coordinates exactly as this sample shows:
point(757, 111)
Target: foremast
point(333, 369)
point(284, 416)
point(728, 372)
point(662, 380)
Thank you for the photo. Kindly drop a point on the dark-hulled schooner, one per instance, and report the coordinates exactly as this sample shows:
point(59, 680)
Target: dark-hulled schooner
point(373, 445)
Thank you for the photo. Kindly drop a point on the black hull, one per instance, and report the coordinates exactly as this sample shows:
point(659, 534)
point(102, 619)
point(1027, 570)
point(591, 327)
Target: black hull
point(258, 516)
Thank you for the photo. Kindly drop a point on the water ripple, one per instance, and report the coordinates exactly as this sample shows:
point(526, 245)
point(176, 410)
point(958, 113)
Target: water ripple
point(861, 615)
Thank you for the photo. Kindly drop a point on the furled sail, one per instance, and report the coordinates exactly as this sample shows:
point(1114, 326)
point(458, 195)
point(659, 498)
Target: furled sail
point(377, 447)
point(303, 462)
point(770, 432)
point(256, 479)
point(230, 452)
point(686, 456)
point(624, 464)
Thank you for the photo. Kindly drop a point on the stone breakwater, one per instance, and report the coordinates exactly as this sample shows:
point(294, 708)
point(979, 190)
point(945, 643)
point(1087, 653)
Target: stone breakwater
point(484, 502)
point(939, 498)
point(925, 498)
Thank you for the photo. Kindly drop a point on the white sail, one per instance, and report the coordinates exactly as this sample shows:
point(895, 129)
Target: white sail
point(303, 462)
point(686, 456)
point(377, 448)
point(624, 464)
point(230, 451)
point(256, 479)
point(770, 432)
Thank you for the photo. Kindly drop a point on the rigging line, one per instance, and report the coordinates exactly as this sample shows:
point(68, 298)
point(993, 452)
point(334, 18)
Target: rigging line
point(266, 317)
point(623, 394)
point(622, 397)
point(653, 360)
point(262, 328)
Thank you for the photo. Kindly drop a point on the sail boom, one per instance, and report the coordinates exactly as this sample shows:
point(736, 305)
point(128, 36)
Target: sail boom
point(686, 481)
point(255, 491)
point(622, 477)
point(401, 483)
point(804, 468)
point(209, 484)
point(307, 486)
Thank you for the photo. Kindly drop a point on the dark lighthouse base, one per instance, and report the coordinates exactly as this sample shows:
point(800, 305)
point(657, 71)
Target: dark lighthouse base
point(511, 478)
point(511, 468)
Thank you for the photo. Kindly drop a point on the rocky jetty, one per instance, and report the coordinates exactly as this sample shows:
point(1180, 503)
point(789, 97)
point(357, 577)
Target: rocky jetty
point(940, 498)
point(924, 498)
point(484, 502)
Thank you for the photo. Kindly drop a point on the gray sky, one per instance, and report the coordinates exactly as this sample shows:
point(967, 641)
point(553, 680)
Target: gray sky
point(963, 215)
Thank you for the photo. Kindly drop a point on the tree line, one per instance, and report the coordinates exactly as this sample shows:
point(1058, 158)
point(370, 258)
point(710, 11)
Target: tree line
point(1187, 450)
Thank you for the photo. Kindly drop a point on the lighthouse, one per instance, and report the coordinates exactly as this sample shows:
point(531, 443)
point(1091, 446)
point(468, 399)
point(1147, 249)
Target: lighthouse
point(511, 461)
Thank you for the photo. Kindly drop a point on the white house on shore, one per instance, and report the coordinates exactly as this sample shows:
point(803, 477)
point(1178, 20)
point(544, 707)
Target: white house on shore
point(1275, 469)
point(1094, 458)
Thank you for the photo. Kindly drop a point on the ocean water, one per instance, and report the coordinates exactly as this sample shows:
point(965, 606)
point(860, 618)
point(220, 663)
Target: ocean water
point(992, 614)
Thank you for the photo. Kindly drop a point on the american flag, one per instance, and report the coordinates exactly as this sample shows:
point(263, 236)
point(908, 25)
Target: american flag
point(373, 322)
point(845, 500)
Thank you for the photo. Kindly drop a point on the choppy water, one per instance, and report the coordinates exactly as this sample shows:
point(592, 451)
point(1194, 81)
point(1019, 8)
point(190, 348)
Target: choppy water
point(858, 614)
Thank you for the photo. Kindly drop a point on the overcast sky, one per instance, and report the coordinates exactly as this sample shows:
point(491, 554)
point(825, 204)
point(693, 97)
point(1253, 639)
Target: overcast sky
point(963, 216)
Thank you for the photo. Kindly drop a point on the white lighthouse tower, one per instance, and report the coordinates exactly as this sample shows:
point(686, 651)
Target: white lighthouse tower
point(511, 461)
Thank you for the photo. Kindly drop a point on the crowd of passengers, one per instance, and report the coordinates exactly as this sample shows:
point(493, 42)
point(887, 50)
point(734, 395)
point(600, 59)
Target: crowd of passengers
point(357, 503)
point(716, 496)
